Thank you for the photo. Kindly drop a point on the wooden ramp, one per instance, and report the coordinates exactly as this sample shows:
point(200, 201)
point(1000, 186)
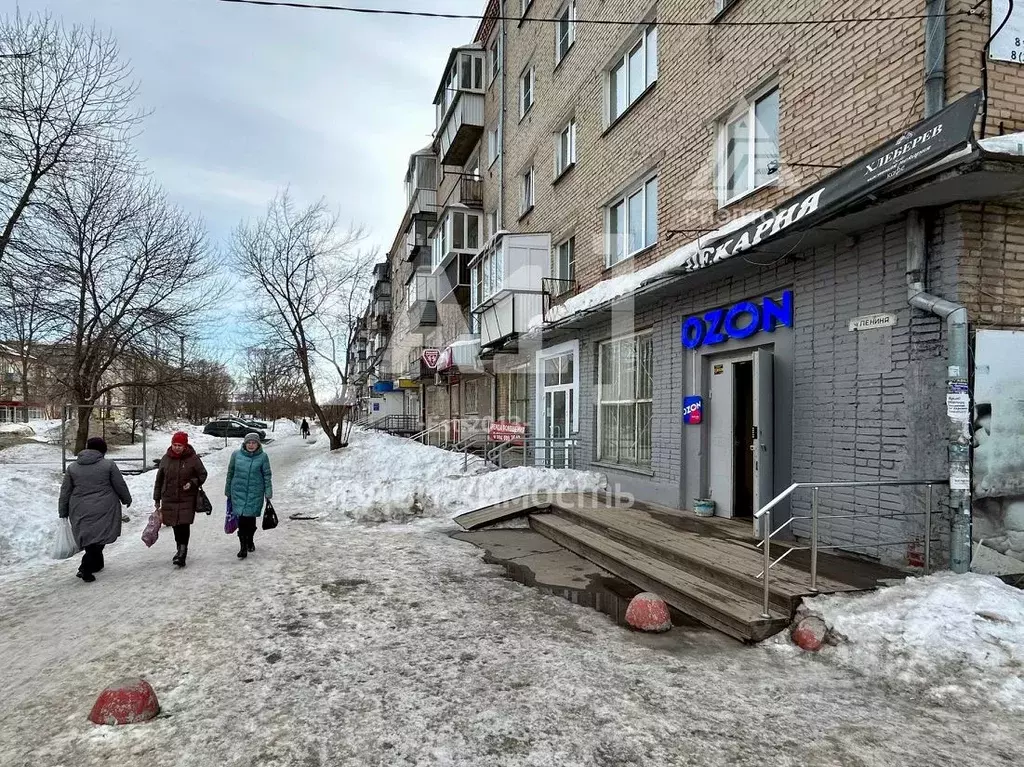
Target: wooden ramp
point(706, 568)
point(500, 512)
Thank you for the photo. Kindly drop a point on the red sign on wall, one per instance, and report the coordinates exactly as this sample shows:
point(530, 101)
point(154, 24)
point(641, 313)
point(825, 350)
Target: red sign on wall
point(506, 431)
point(430, 357)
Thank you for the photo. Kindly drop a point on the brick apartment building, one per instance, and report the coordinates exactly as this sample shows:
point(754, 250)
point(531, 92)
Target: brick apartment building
point(724, 258)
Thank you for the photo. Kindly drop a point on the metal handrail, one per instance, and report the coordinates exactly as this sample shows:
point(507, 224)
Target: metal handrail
point(418, 437)
point(467, 443)
point(766, 513)
point(496, 454)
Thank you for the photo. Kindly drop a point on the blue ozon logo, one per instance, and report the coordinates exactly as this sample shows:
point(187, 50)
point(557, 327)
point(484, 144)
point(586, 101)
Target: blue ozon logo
point(739, 321)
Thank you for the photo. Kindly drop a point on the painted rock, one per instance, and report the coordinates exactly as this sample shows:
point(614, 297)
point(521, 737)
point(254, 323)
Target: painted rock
point(648, 612)
point(810, 633)
point(129, 702)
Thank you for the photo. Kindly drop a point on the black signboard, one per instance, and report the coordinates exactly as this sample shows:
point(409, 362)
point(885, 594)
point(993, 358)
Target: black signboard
point(925, 143)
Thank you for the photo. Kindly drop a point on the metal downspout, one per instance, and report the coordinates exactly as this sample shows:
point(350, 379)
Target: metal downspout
point(959, 446)
point(934, 57)
point(501, 123)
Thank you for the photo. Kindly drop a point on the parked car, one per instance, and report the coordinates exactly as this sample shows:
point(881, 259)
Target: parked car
point(256, 424)
point(230, 427)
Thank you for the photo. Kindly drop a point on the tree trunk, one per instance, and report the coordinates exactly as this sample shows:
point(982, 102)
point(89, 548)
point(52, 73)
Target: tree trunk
point(82, 432)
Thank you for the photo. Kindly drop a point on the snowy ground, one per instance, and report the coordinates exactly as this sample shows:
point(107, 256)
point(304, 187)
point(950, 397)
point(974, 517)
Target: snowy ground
point(340, 643)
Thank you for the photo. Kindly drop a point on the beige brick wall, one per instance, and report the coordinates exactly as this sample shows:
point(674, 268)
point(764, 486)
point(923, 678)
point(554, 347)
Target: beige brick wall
point(991, 269)
point(844, 89)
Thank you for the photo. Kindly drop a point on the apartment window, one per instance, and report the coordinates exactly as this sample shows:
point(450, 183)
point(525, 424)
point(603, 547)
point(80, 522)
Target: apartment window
point(493, 145)
point(565, 30)
point(488, 276)
point(626, 392)
point(563, 265)
point(494, 58)
point(749, 146)
point(526, 195)
point(565, 148)
point(631, 221)
point(633, 74)
point(526, 87)
point(519, 394)
point(459, 232)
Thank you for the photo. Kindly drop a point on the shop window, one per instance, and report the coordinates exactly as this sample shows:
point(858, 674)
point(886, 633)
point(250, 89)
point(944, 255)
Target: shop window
point(519, 394)
point(626, 392)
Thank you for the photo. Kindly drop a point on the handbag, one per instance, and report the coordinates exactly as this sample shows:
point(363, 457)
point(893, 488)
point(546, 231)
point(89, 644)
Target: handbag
point(203, 505)
point(64, 544)
point(269, 517)
point(230, 519)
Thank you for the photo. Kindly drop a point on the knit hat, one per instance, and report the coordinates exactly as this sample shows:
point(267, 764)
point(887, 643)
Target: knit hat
point(252, 437)
point(179, 438)
point(98, 444)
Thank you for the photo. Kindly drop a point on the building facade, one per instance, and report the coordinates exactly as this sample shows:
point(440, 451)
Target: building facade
point(716, 259)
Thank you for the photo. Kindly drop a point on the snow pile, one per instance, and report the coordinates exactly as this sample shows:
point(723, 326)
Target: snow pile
point(1011, 143)
point(957, 639)
point(608, 290)
point(380, 478)
point(41, 431)
point(284, 427)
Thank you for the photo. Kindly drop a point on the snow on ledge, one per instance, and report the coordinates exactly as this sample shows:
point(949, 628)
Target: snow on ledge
point(956, 639)
point(609, 290)
point(1011, 144)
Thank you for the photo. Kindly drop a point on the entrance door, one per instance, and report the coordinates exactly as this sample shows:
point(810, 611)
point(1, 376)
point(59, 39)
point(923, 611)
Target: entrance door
point(764, 432)
point(558, 424)
point(743, 439)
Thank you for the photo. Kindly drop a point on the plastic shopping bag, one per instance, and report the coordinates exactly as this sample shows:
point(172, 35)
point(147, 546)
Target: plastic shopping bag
point(64, 544)
point(269, 517)
point(152, 531)
point(230, 520)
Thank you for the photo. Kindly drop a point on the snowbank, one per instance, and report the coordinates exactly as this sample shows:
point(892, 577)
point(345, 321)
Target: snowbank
point(956, 639)
point(40, 431)
point(379, 478)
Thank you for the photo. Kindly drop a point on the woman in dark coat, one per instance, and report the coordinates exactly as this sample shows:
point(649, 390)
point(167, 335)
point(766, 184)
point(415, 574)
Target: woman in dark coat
point(176, 491)
point(91, 496)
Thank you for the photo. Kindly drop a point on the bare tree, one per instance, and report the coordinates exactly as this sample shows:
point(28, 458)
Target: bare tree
point(207, 390)
point(305, 265)
point(274, 381)
point(128, 268)
point(26, 319)
point(64, 94)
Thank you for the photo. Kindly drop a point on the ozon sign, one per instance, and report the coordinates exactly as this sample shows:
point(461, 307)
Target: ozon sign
point(742, 320)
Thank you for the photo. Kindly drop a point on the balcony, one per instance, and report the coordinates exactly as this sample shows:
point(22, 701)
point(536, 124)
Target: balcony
point(417, 239)
point(382, 307)
point(508, 286)
point(460, 106)
point(423, 201)
point(453, 285)
point(416, 368)
point(471, 191)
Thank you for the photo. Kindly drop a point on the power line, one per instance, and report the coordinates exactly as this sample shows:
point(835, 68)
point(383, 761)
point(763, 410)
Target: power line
point(609, 22)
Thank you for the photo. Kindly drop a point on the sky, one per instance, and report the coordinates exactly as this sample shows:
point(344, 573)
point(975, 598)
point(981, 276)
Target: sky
point(246, 100)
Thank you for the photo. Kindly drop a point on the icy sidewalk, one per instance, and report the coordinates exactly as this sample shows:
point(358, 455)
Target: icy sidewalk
point(342, 644)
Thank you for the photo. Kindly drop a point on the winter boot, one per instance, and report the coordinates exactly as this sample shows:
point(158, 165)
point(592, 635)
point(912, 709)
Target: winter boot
point(250, 542)
point(182, 553)
point(176, 559)
point(243, 546)
point(85, 575)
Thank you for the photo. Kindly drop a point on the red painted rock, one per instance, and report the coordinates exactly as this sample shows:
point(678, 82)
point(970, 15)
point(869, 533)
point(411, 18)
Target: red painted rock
point(130, 702)
point(648, 612)
point(810, 633)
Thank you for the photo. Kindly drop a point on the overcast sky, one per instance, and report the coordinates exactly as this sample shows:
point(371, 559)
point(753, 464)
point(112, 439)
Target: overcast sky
point(248, 99)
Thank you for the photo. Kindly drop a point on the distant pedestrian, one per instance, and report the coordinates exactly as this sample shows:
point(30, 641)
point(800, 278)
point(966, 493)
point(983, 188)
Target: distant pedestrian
point(248, 485)
point(176, 491)
point(91, 496)
point(304, 429)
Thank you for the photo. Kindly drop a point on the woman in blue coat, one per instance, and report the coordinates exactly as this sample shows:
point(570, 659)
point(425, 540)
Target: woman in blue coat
point(247, 485)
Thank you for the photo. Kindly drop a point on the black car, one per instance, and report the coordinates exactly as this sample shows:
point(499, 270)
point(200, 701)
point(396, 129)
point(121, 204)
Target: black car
point(256, 424)
point(229, 427)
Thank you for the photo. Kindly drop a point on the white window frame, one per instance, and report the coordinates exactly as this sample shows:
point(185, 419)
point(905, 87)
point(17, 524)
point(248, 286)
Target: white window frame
point(527, 75)
point(527, 190)
point(569, 38)
point(746, 109)
point(519, 373)
point(556, 262)
point(446, 234)
point(487, 276)
point(635, 401)
point(494, 58)
point(493, 145)
point(649, 238)
point(647, 38)
point(563, 163)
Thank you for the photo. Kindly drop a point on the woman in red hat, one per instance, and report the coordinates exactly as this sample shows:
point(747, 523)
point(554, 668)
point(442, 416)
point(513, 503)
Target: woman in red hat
point(176, 492)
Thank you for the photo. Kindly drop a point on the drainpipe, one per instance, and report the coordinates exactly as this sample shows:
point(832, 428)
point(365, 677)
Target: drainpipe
point(934, 57)
point(959, 447)
point(501, 122)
